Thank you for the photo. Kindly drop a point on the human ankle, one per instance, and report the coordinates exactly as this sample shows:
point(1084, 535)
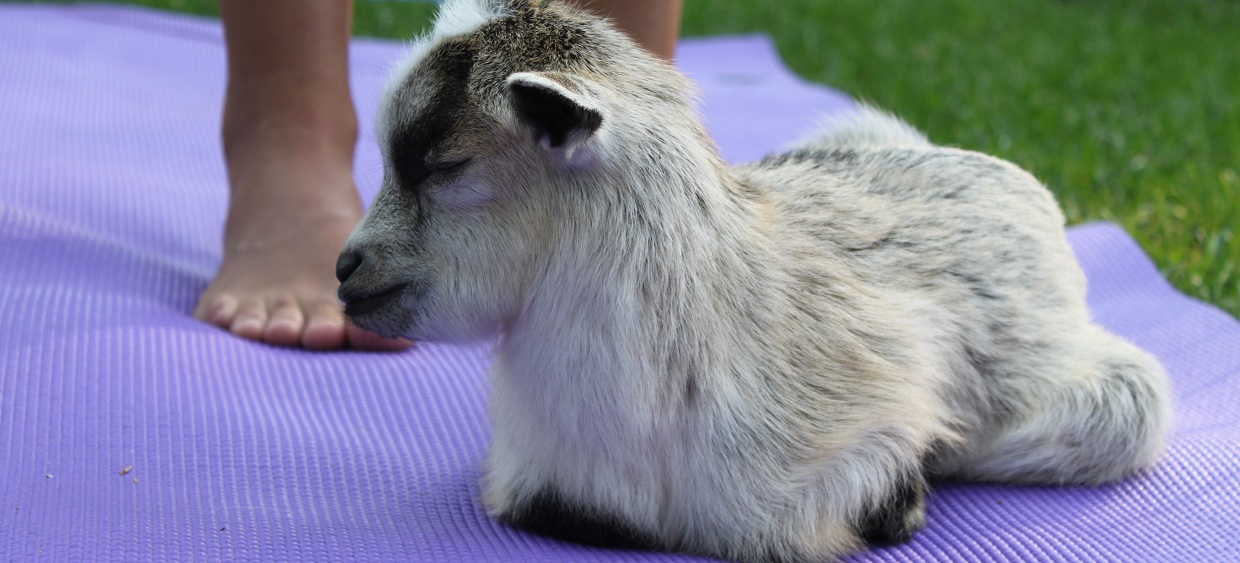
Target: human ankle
point(275, 119)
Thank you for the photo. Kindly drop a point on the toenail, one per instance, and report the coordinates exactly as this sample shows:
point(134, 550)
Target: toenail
point(248, 323)
point(220, 308)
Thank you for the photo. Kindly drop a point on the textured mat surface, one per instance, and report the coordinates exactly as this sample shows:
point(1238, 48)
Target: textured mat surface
point(112, 198)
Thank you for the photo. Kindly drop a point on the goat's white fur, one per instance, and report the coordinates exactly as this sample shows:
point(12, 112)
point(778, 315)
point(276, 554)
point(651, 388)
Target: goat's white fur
point(744, 362)
point(865, 125)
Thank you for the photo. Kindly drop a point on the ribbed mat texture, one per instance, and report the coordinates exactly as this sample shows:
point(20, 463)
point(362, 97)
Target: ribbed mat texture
point(112, 199)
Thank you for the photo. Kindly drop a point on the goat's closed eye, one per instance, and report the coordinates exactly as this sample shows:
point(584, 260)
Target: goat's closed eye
point(447, 166)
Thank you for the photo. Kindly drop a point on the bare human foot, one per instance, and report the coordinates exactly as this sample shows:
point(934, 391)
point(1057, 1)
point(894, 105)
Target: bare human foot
point(277, 281)
point(289, 132)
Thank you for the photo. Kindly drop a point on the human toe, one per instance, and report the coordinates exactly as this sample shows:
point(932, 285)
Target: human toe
point(324, 326)
point(285, 324)
point(250, 320)
point(219, 310)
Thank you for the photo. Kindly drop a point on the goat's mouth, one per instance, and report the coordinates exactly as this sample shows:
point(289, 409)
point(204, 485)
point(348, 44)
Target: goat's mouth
point(361, 304)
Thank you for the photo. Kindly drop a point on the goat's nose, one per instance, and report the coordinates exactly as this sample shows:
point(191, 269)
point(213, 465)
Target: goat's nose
point(348, 263)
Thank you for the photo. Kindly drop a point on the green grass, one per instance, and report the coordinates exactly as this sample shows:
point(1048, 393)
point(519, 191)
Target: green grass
point(1128, 109)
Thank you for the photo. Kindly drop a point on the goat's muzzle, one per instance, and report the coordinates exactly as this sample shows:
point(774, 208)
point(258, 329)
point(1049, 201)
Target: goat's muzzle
point(361, 289)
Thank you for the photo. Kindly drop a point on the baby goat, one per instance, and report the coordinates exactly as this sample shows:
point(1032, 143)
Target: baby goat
point(761, 363)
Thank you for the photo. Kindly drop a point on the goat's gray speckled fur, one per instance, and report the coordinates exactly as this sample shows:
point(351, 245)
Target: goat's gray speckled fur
point(758, 363)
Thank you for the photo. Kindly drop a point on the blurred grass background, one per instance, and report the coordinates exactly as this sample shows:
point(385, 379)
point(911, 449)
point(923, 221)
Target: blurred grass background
point(1128, 109)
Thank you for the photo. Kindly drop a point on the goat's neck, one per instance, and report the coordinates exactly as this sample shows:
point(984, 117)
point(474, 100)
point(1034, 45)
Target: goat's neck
point(658, 299)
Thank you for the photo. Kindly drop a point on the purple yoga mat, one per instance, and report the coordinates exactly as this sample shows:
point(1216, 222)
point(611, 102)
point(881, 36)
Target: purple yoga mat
point(112, 199)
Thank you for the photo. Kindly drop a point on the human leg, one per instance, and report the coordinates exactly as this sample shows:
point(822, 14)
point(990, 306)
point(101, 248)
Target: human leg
point(289, 131)
point(653, 24)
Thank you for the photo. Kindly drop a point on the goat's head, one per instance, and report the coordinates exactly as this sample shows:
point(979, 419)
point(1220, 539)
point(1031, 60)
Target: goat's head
point(495, 128)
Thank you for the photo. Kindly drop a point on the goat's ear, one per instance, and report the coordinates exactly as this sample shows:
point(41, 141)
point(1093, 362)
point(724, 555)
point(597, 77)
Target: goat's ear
point(559, 109)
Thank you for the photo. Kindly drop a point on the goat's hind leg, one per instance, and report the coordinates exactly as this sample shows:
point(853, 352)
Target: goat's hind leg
point(898, 517)
point(1105, 419)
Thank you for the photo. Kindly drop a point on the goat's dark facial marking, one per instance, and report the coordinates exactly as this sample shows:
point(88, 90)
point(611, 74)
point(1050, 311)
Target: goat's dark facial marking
point(410, 155)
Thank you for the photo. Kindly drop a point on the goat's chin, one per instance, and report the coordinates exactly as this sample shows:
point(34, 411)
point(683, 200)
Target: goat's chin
point(399, 322)
point(393, 321)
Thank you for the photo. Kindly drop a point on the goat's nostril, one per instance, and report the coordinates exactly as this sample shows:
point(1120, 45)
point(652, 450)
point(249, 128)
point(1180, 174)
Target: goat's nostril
point(348, 263)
